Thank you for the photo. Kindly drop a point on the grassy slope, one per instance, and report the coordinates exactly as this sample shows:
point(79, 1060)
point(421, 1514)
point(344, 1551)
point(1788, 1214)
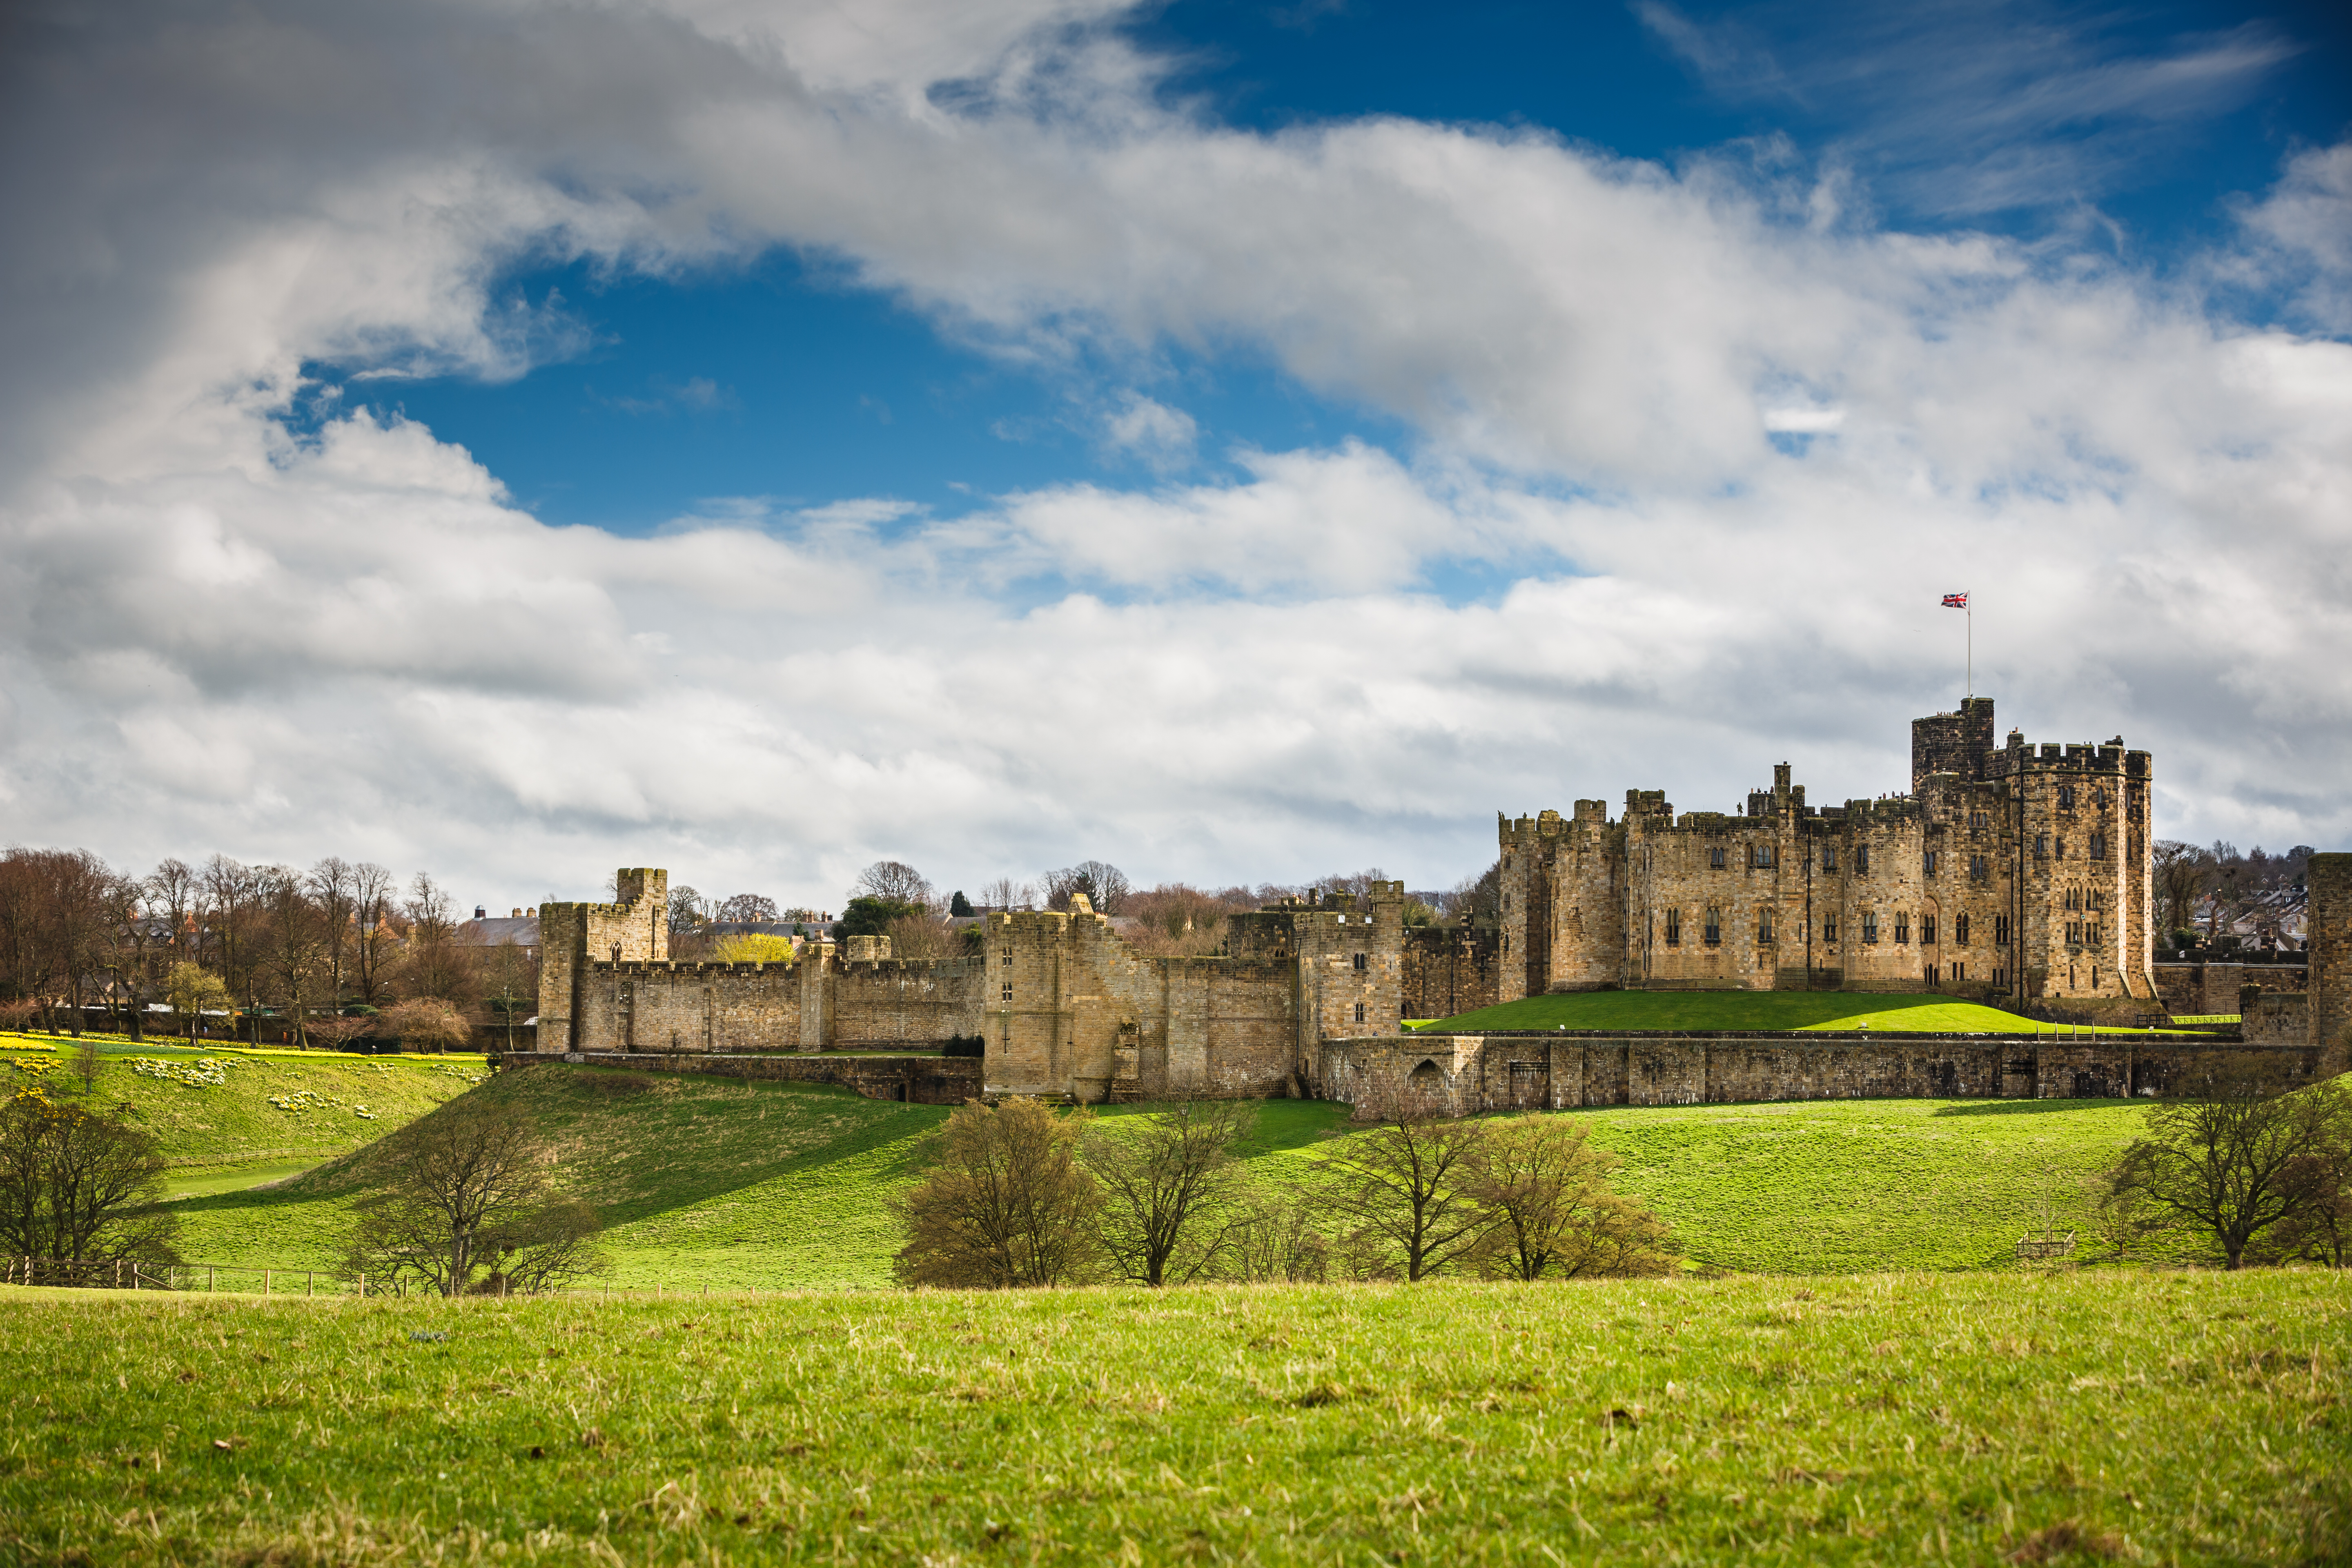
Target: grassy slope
point(221, 1129)
point(2183, 1417)
point(1746, 1010)
point(709, 1181)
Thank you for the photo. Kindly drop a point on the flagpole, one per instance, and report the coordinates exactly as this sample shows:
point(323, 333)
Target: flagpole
point(1972, 614)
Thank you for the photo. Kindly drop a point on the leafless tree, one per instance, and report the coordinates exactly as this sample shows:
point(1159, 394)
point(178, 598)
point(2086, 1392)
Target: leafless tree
point(510, 982)
point(463, 1194)
point(74, 1185)
point(1277, 1238)
point(1406, 1192)
point(748, 909)
point(1105, 887)
point(291, 939)
point(374, 892)
point(433, 962)
point(1006, 1202)
point(895, 881)
point(1546, 1191)
point(2179, 872)
point(924, 936)
point(1171, 1185)
point(1177, 920)
point(2221, 1154)
point(230, 893)
point(1004, 893)
point(1479, 896)
point(426, 1024)
point(333, 888)
point(688, 909)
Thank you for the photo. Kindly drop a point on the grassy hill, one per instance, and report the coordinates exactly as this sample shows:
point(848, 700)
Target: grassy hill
point(1740, 1010)
point(1980, 1418)
point(229, 1116)
point(736, 1185)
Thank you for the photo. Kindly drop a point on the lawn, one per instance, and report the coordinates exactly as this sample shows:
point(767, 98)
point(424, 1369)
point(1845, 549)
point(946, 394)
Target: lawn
point(2180, 1417)
point(707, 1182)
point(1743, 1010)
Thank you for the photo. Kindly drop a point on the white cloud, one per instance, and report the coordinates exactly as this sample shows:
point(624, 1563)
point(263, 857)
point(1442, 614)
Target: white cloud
point(1594, 572)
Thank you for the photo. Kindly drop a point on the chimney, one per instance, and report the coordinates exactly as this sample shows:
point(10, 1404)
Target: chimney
point(480, 913)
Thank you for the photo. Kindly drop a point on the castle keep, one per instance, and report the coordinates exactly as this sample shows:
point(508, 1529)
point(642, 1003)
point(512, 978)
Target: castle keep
point(2008, 871)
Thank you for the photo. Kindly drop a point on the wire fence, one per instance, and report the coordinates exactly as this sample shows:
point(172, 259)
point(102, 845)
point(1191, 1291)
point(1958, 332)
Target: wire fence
point(271, 1280)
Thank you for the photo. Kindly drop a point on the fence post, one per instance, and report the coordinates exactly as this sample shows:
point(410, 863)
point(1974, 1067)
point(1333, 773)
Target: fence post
point(264, 1279)
point(310, 1282)
point(363, 1286)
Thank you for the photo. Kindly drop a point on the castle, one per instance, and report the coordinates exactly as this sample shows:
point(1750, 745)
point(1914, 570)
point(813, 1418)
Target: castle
point(2007, 872)
point(2010, 871)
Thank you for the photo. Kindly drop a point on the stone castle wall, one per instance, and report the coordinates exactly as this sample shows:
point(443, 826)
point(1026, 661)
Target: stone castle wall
point(1471, 1074)
point(1451, 970)
point(2330, 881)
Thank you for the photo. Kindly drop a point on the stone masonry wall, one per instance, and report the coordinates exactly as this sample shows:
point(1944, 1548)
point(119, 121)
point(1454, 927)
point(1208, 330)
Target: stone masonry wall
point(1450, 970)
point(914, 1079)
point(2330, 879)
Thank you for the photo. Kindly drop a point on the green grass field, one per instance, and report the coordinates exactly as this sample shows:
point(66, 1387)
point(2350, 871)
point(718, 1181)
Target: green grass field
point(251, 1115)
point(1743, 1010)
point(750, 1185)
point(2124, 1416)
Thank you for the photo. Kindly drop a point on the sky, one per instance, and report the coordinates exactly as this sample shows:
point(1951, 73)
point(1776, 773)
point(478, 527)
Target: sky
point(510, 441)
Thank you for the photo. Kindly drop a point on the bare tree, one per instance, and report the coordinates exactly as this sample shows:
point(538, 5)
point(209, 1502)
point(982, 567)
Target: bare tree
point(2179, 873)
point(465, 1194)
point(1105, 887)
point(1278, 1239)
point(433, 962)
point(1177, 920)
point(74, 1184)
point(895, 882)
point(1546, 1191)
point(1480, 897)
point(2221, 1157)
point(688, 909)
point(1406, 1191)
point(333, 887)
point(748, 909)
point(292, 938)
point(1006, 1203)
point(426, 1024)
point(175, 892)
point(230, 896)
point(1004, 893)
point(924, 936)
point(510, 981)
point(374, 893)
point(1169, 1185)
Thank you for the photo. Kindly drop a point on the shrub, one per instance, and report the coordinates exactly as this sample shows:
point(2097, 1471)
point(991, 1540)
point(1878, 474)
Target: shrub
point(1006, 1202)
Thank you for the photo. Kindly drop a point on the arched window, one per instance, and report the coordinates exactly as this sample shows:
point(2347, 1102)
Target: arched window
point(1960, 930)
point(1869, 926)
point(1713, 928)
point(2066, 798)
point(1673, 928)
point(1764, 929)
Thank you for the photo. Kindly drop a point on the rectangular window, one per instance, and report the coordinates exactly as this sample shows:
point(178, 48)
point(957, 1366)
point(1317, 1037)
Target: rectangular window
point(2098, 846)
point(2091, 934)
point(1975, 868)
point(1931, 862)
point(1673, 928)
point(1829, 928)
point(1960, 931)
point(1862, 859)
point(1008, 991)
point(1926, 930)
point(2000, 931)
point(2041, 845)
point(1903, 926)
point(2066, 798)
point(1931, 974)
point(1829, 856)
point(1764, 929)
point(2058, 850)
point(2074, 933)
point(2098, 899)
point(1359, 961)
point(2000, 978)
point(1360, 1012)
point(1870, 927)
point(1715, 859)
point(1976, 819)
point(1714, 927)
point(1959, 973)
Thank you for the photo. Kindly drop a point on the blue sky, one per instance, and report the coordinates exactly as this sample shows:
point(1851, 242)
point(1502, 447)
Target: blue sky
point(513, 439)
point(778, 376)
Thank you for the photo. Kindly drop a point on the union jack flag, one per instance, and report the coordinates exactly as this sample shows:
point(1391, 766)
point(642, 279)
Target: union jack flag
point(1955, 601)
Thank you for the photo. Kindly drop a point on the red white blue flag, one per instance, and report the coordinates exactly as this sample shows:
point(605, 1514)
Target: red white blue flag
point(1955, 601)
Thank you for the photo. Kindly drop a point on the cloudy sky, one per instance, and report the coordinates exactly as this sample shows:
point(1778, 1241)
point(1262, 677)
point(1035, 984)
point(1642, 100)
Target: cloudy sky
point(511, 439)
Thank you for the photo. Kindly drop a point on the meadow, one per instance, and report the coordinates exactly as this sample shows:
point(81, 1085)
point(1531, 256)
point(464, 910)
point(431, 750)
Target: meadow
point(229, 1116)
point(2119, 1415)
point(1737, 1011)
point(735, 1186)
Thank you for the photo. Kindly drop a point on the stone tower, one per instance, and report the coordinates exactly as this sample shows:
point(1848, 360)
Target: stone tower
point(633, 929)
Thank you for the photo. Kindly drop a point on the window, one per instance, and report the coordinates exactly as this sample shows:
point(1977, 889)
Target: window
point(1930, 973)
point(2073, 933)
point(1960, 931)
point(1759, 855)
point(1673, 928)
point(1977, 819)
point(2000, 978)
point(1359, 961)
point(2099, 798)
point(2000, 931)
point(1977, 869)
point(1862, 859)
point(2058, 849)
point(2072, 894)
point(1960, 972)
point(2098, 846)
point(1870, 927)
point(2041, 845)
point(1903, 926)
point(1008, 991)
point(1829, 856)
point(1931, 862)
point(1926, 930)
point(1360, 1012)
point(2066, 798)
point(1764, 929)
point(1715, 859)
point(1714, 927)
point(2091, 935)
point(2098, 901)
point(1008, 961)
point(1829, 928)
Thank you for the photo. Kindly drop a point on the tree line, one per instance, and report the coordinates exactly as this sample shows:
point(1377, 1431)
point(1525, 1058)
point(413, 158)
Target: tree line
point(331, 949)
point(2204, 890)
point(1020, 1194)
